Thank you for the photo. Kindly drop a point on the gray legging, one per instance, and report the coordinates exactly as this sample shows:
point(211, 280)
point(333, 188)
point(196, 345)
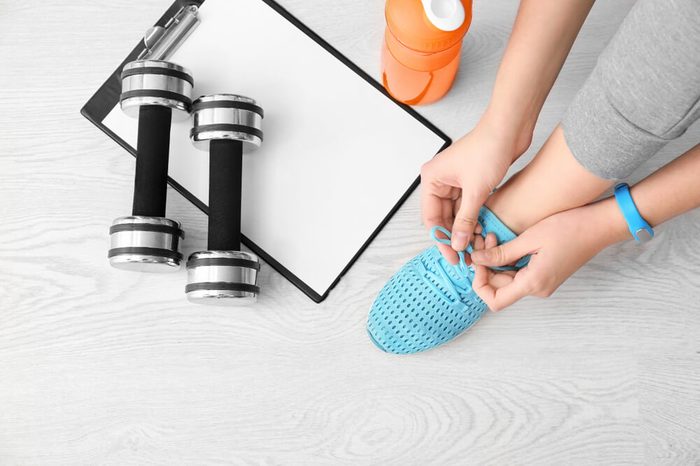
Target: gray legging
point(643, 92)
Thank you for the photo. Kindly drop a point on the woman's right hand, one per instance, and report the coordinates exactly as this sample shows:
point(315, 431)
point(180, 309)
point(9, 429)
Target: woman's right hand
point(456, 183)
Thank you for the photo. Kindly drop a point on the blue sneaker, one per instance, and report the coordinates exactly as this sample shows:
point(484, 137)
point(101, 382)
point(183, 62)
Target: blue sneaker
point(429, 301)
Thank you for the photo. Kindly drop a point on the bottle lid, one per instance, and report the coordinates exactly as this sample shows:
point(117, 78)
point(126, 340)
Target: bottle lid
point(428, 25)
point(446, 15)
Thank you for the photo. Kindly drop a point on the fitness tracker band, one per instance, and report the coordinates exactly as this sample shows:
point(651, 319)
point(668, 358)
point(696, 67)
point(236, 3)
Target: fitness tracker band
point(640, 229)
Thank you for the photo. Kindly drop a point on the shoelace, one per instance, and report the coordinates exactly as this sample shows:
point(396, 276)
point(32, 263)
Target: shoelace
point(462, 263)
point(448, 241)
point(454, 289)
point(442, 277)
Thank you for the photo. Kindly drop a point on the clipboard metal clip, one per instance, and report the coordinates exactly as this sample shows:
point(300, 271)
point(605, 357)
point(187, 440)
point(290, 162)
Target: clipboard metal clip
point(161, 41)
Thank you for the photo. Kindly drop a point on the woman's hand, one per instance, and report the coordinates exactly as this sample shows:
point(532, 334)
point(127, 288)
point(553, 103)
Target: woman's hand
point(455, 184)
point(559, 245)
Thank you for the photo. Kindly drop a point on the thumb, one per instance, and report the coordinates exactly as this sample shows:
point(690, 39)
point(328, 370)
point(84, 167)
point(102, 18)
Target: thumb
point(465, 222)
point(503, 254)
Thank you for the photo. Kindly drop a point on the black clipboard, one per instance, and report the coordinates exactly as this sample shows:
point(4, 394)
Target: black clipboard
point(107, 96)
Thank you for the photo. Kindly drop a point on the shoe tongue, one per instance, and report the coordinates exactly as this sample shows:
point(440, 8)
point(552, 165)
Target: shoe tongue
point(492, 224)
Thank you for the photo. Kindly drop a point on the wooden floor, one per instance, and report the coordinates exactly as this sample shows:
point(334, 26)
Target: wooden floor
point(102, 367)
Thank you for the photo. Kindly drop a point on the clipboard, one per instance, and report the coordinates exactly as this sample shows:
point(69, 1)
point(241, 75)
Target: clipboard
point(355, 172)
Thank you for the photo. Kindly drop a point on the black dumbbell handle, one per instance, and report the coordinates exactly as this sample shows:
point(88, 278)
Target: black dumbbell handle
point(225, 171)
point(152, 148)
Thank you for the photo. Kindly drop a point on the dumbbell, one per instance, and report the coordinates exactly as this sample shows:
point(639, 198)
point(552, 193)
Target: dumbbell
point(147, 240)
point(226, 125)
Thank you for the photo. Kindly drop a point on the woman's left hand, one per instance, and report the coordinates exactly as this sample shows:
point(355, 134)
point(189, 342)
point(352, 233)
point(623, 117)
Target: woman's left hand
point(559, 245)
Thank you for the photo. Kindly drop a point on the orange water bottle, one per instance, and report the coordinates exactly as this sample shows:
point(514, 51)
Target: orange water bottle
point(422, 44)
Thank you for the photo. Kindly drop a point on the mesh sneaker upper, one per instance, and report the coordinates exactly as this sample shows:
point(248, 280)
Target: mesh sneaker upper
point(429, 301)
point(409, 315)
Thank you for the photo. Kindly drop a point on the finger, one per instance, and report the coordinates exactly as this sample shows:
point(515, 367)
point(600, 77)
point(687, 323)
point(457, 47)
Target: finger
point(483, 287)
point(509, 294)
point(501, 279)
point(433, 194)
point(481, 281)
point(478, 243)
point(498, 290)
point(437, 211)
point(465, 221)
point(457, 204)
point(490, 241)
point(448, 253)
point(432, 210)
point(494, 279)
point(505, 253)
point(447, 212)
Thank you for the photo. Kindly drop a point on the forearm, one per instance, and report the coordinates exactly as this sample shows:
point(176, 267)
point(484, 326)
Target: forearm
point(542, 36)
point(671, 191)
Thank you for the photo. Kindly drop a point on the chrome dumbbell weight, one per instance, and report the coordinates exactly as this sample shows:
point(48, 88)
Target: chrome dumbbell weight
point(227, 125)
point(147, 240)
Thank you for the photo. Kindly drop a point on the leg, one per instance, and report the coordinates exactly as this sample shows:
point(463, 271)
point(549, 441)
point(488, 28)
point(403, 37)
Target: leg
point(554, 181)
point(643, 93)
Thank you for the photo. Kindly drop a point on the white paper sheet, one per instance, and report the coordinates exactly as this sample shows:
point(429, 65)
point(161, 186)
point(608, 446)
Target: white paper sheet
point(337, 154)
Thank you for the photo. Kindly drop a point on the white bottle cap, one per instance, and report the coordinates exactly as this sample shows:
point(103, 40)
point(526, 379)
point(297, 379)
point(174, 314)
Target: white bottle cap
point(446, 15)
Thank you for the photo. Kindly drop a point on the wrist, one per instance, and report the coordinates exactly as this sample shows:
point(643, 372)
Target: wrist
point(517, 132)
point(608, 222)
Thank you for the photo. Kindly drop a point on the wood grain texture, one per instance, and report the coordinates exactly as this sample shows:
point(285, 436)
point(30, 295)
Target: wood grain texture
point(103, 367)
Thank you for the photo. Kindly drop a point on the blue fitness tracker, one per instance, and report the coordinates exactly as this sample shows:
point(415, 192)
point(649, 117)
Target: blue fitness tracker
point(640, 229)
